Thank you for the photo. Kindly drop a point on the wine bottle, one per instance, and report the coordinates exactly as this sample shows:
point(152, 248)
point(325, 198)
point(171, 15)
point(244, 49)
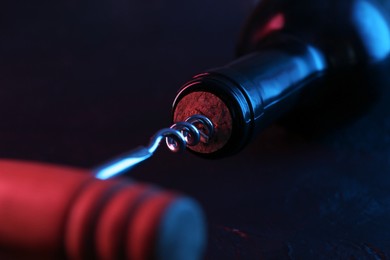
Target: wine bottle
point(287, 46)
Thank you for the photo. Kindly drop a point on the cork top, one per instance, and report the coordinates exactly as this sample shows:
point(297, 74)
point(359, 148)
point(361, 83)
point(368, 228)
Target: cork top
point(211, 106)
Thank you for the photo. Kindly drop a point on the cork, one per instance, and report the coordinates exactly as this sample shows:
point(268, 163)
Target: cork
point(211, 106)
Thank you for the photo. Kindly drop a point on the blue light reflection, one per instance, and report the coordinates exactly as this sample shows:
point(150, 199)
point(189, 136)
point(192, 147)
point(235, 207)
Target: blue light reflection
point(373, 28)
point(123, 164)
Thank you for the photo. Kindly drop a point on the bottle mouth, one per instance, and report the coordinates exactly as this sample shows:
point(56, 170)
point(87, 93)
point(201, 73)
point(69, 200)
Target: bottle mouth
point(222, 101)
point(210, 105)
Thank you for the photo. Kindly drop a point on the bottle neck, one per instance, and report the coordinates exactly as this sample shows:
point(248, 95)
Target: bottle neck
point(271, 78)
point(256, 89)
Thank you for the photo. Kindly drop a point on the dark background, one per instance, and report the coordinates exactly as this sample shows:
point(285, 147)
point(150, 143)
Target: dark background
point(83, 81)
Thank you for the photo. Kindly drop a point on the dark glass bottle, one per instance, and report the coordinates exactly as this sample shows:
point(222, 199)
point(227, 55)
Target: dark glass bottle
point(287, 47)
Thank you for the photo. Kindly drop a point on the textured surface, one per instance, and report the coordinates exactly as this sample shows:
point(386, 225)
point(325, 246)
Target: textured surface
point(213, 108)
point(82, 81)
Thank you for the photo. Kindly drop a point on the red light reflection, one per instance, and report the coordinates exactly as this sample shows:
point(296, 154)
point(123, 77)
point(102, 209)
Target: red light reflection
point(277, 22)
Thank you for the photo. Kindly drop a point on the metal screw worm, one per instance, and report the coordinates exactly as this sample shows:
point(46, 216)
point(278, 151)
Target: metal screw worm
point(190, 132)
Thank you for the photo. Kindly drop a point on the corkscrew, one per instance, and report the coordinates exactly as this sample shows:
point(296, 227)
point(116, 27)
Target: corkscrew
point(190, 132)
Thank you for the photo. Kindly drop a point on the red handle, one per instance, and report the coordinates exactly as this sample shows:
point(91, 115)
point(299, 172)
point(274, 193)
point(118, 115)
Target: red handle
point(49, 211)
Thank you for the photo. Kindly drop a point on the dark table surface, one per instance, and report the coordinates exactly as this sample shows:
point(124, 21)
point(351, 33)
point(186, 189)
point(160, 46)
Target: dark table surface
point(83, 81)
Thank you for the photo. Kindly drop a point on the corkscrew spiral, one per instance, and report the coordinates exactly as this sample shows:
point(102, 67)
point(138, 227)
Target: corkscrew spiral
point(190, 132)
point(194, 129)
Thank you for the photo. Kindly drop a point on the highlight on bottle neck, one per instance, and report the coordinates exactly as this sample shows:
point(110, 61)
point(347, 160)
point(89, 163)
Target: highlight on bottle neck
point(246, 95)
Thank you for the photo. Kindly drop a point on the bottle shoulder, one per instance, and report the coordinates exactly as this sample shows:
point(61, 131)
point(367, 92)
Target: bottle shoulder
point(348, 31)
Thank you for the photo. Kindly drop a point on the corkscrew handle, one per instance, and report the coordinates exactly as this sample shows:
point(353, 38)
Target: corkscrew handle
point(57, 212)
